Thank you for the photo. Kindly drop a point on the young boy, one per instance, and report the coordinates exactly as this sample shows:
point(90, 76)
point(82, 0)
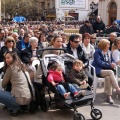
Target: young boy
point(77, 74)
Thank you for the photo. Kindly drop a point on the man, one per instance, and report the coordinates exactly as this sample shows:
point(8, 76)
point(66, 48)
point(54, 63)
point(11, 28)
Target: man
point(113, 28)
point(2, 36)
point(22, 44)
point(15, 36)
point(21, 35)
point(64, 39)
point(112, 39)
point(99, 26)
point(76, 50)
point(86, 28)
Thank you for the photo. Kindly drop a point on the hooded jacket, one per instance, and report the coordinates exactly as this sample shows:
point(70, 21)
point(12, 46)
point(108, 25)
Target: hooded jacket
point(55, 76)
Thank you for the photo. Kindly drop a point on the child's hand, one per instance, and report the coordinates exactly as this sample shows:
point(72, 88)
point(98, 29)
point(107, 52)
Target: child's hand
point(84, 82)
point(53, 83)
point(81, 83)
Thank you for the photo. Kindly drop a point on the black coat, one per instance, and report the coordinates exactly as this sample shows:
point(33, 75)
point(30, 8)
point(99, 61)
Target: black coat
point(86, 29)
point(80, 53)
point(26, 55)
point(98, 26)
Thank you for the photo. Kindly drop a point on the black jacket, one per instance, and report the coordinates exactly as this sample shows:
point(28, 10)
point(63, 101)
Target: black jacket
point(98, 26)
point(4, 49)
point(80, 53)
point(26, 55)
point(86, 29)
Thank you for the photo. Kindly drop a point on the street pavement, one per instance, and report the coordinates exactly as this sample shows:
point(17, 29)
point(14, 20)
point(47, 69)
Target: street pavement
point(110, 112)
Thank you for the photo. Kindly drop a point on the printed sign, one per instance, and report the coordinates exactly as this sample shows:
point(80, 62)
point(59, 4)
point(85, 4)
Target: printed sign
point(73, 3)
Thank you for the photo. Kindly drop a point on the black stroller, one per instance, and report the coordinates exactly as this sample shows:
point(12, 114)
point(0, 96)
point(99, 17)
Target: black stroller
point(71, 102)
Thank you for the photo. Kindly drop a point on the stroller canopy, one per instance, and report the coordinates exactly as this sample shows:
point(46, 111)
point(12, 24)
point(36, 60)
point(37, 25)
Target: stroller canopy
point(19, 19)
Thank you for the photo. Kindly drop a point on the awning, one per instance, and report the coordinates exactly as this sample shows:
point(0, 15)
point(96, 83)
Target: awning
point(69, 16)
point(51, 15)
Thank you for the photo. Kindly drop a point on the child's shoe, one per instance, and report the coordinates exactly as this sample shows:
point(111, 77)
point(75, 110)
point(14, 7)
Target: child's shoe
point(77, 94)
point(66, 95)
point(83, 92)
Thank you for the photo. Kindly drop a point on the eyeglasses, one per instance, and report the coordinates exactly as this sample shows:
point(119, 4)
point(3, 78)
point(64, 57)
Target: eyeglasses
point(10, 41)
point(93, 38)
point(76, 41)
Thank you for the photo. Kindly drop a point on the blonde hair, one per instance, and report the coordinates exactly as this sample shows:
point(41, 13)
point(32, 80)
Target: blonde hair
point(78, 62)
point(93, 36)
point(103, 43)
point(8, 39)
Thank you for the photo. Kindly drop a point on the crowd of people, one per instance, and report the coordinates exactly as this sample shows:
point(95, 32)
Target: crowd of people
point(19, 46)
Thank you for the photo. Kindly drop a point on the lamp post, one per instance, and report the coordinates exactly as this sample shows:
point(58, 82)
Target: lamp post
point(92, 6)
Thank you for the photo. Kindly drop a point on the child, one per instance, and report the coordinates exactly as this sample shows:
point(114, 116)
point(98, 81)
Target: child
point(77, 74)
point(55, 77)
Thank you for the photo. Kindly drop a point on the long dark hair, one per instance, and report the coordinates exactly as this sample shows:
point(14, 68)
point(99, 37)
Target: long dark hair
point(16, 61)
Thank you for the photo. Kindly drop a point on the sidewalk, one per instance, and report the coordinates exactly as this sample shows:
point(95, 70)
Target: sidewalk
point(110, 112)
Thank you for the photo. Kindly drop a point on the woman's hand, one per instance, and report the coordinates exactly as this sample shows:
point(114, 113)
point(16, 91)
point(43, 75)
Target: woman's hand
point(34, 58)
point(113, 65)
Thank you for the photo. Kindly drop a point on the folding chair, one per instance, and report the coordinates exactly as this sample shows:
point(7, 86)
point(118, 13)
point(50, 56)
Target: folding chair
point(96, 79)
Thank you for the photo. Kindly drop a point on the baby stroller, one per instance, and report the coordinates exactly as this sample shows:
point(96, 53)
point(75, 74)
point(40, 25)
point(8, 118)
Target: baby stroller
point(71, 102)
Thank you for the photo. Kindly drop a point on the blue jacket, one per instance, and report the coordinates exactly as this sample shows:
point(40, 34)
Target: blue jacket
point(99, 62)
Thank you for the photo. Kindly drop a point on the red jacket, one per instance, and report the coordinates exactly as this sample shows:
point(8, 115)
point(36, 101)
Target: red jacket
point(55, 76)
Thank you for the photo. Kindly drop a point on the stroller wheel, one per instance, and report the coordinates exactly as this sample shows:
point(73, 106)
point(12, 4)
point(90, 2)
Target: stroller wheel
point(96, 114)
point(44, 105)
point(78, 116)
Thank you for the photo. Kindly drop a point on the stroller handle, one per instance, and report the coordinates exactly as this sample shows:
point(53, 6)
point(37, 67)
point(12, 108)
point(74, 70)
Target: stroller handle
point(44, 49)
point(40, 51)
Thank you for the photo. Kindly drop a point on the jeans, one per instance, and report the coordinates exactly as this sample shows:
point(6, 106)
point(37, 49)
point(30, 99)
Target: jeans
point(9, 101)
point(62, 90)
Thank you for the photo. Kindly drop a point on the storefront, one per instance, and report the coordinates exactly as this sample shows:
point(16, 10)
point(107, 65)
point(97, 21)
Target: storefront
point(50, 16)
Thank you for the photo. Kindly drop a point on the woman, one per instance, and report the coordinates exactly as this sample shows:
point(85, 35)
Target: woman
point(30, 54)
point(20, 93)
point(103, 63)
point(55, 43)
point(116, 53)
point(9, 45)
point(87, 47)
point(93, 40)
point(42, 43)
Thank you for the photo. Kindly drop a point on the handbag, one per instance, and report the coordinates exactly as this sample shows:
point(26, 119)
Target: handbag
point(33, 107)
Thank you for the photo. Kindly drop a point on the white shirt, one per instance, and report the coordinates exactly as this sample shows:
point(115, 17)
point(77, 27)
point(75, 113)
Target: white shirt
point(116, 55)
point(74, 52)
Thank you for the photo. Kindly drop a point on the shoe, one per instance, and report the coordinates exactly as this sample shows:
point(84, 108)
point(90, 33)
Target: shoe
point(15, 113)
point(5, 108)
point(118, 91)
point(77, 94)
point(66, 95)
point(110, 100)
point(83, 92)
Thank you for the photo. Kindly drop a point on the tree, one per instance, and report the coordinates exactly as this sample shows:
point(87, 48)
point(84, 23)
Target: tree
point(26, 8)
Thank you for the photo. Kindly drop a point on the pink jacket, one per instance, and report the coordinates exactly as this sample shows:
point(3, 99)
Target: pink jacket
point(55, 76)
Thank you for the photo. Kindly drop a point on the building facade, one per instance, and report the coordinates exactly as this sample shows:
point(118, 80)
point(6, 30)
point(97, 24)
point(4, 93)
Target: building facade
point(0, 10)
point(78, 9)
point(109, 10)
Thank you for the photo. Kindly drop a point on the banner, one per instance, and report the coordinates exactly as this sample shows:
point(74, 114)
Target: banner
point(73, 3)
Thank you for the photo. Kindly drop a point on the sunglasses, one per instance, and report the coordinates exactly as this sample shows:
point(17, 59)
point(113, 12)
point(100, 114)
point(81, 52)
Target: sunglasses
point(93, 38)
point(10, 41)
point(76, 41)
